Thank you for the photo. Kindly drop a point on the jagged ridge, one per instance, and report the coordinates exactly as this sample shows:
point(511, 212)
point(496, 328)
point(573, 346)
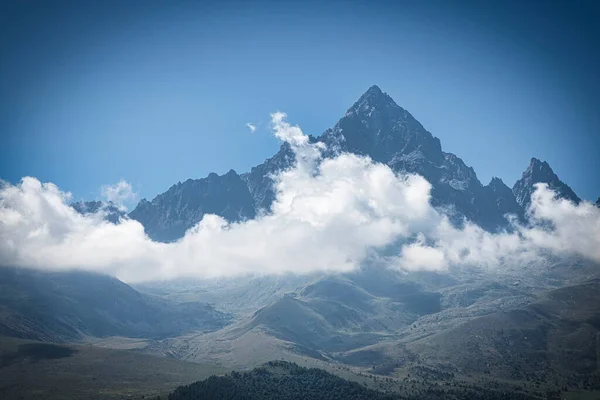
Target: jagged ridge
point(540, 172)
point(374, 126)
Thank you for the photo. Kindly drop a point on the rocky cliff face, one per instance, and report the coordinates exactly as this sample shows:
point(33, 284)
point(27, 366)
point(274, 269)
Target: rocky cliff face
point(376, 126)
point(502, 198)
point(170, 214)
point(260, 181)
point(540, 172)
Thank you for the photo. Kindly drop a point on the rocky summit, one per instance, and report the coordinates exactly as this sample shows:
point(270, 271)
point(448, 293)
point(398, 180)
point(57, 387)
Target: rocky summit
point(540, 172)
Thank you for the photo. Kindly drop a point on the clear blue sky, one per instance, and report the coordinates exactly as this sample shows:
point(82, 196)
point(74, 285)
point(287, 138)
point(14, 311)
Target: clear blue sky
point(158, 92)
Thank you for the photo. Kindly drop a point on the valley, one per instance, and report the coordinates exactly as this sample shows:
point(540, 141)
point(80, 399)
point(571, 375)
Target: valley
point(393, 332)
point(37, 370)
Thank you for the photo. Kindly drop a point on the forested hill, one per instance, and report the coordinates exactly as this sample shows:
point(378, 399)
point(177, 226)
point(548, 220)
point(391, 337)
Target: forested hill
point(280, 380)
point(277, 380)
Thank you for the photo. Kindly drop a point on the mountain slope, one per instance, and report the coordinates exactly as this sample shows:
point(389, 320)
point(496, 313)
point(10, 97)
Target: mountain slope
point(336, 313)
point(259, 179)
point(552, 339)
point(502, 197)
point(170, 214)
point(65, 306)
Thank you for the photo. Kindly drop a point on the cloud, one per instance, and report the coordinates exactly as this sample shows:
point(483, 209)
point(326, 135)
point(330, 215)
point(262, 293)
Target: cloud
point(120, 193)
point(329, 215)
point(251, 126)
point(286, 132)
point(419, 256)
point(575, 228)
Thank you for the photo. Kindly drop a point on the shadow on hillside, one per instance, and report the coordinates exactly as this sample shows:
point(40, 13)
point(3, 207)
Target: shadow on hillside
point(33, 352)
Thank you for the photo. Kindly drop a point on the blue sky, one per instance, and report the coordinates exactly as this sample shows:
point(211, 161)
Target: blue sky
point(158, 92)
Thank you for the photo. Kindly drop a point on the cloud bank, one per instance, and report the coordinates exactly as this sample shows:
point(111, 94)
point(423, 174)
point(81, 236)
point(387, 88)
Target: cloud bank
point(329, 215)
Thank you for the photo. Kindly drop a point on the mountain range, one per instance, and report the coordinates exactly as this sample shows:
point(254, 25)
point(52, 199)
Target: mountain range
point(374, 126)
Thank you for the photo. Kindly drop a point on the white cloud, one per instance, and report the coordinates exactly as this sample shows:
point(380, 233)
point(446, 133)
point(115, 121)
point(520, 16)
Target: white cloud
point(251, 126)
point(329, 215)
point(576, 228)
point(286, 132)
point(419, 256)
point(121, 193)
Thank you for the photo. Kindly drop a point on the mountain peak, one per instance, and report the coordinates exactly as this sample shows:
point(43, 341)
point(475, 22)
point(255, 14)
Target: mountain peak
point(374, 90)
point(496, 182)
point(535, 161)
point(536, 165)
point(378, 127)
point(374, 97)
point(540, 172)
